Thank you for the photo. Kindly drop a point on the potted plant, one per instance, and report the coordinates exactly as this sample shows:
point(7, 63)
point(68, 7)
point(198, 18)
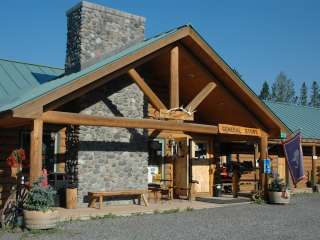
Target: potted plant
point(278, 192)
point(38, 212)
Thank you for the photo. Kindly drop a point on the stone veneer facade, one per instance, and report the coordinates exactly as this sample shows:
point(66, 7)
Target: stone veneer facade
point(108, 158)
point(95, 31)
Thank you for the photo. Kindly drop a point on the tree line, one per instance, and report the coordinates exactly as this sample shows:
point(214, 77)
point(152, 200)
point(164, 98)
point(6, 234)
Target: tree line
point(283, 90)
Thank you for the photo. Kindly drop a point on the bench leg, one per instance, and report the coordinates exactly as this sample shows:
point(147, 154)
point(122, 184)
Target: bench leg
point(143, 197)
point(100, 201)
point(92, 201)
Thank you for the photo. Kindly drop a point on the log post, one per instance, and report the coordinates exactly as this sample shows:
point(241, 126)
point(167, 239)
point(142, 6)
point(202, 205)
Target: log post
point(256, 172)
point(36, 150)
point(313, 169)
point(263, 178)
point(174, 78)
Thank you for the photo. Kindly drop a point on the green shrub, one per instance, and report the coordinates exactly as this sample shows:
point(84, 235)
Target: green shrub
point(40, 198)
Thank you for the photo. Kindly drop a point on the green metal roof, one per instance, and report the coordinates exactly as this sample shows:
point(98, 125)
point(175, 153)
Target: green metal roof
point(16, 98)
point(296, 117)
point(17, 78)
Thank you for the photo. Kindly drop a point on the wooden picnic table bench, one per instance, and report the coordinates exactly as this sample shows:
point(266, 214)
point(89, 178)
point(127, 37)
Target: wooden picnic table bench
point(135, 193)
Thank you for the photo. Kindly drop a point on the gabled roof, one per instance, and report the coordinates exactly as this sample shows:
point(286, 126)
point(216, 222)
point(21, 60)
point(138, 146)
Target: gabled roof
point(17, 78)
point(31, 102)
point(17, 99)
point(296, 117)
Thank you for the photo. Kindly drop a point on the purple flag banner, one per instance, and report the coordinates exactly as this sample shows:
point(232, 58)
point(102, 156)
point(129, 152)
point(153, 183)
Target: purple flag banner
point(294, 155)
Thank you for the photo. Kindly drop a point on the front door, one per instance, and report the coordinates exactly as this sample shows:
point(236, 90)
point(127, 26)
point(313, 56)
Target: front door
point(200, 166)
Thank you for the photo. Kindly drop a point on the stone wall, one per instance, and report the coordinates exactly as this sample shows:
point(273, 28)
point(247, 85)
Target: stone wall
point(112, 158)
point(95, 31)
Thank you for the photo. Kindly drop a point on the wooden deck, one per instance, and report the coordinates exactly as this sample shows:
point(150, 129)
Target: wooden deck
point(128, 210)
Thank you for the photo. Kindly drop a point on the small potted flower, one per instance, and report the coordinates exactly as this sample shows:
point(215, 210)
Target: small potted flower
point(278, 192)
point(38, 212)
point(14, 161)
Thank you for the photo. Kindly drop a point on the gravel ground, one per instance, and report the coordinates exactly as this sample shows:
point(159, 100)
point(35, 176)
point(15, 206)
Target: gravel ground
point(299, 220)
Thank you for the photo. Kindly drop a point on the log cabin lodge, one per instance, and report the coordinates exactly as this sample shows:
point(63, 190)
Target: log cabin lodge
point(164, 113)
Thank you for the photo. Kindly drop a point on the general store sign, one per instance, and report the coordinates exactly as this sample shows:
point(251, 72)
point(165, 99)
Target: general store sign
point(238, 130)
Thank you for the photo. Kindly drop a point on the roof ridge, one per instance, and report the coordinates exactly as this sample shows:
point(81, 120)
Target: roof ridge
point(166, 32)
point(34, 64)
point(292, 104)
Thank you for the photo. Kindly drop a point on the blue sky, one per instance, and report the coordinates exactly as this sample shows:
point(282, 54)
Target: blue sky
point(258, 38)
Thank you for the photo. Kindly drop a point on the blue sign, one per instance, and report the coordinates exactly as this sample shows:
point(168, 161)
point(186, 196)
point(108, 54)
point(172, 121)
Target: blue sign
point(267, 166)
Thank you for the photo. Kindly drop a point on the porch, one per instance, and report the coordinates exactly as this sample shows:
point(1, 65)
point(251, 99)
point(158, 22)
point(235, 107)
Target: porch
point(176, 205)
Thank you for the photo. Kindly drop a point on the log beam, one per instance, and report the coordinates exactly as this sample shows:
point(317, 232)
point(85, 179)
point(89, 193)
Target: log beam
point(174, 77)
point(36, 150)
point(154, 100)
point(200, 96)
point(82, 119)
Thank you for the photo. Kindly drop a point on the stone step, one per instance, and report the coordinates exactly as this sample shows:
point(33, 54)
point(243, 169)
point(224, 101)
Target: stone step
point(223, 200)
point(294, 191)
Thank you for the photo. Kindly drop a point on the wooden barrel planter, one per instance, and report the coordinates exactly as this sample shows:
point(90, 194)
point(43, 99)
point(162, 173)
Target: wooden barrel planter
point(38, 220)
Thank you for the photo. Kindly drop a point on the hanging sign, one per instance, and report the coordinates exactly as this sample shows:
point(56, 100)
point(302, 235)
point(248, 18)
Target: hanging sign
point(238, 130)
point(267, 166)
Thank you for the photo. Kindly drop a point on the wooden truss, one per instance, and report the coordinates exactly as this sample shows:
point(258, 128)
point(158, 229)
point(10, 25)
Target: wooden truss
point(175, 111)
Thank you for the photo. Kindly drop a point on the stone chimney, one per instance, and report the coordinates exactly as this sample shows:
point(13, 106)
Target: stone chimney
point(96, 32)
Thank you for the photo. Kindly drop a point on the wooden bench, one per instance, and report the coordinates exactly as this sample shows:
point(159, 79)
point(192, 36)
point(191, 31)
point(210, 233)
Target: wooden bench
point(135, 193)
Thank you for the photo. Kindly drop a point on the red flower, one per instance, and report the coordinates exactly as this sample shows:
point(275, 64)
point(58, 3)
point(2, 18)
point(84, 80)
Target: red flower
point(12, 161)
point(16, 157)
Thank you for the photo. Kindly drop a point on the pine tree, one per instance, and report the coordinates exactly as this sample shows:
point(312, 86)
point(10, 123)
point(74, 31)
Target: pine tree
point(283, 89)
point(265, 91)
point(303, 99)
point(315, 95)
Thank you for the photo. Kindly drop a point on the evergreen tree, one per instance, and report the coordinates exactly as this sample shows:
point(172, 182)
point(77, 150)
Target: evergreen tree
point(315, 95)
point(265, 91)
point(283, 89)
point(303, 100)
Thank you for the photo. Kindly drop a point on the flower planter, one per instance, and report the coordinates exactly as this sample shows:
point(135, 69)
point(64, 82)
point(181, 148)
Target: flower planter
point(278, 197)
point(40, 220)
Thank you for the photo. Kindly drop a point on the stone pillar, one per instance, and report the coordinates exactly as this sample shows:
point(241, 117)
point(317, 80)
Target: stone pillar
point(112, 159)
point(95, 32)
